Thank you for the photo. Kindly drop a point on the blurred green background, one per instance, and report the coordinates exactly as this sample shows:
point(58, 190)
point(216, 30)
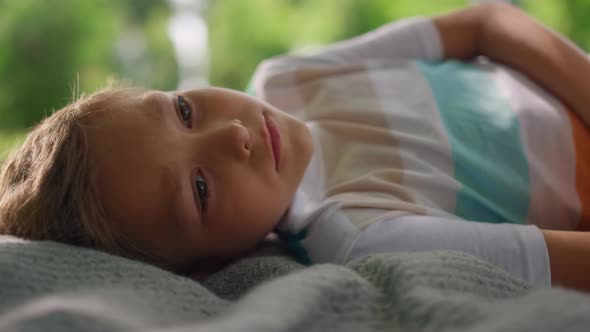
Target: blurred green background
point(49, 50)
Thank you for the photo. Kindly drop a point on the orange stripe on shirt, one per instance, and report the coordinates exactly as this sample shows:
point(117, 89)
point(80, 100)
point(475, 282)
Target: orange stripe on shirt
point(581, 135)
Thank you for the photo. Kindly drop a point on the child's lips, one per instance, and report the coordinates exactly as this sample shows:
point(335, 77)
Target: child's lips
point(275, 139)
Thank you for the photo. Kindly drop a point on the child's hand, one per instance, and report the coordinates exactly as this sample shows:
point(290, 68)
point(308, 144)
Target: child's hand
point(507, 35)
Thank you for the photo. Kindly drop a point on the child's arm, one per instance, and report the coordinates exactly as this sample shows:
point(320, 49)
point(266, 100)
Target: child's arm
point(507, 35)
point(410, 38)
point(569, 258)
point(518, 249)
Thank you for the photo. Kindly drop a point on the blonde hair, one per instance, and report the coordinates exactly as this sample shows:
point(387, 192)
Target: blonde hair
point(48, 188)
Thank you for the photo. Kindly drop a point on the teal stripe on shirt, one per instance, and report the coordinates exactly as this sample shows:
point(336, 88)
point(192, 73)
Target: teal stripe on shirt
point(484, 134)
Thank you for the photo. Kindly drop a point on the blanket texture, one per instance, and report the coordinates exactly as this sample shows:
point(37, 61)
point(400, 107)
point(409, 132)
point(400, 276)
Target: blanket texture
point(46, 286)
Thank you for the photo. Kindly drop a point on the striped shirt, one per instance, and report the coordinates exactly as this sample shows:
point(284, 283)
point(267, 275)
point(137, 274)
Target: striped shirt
point(412, 153)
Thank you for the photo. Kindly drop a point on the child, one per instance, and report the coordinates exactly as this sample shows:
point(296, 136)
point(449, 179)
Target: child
point(357, 149)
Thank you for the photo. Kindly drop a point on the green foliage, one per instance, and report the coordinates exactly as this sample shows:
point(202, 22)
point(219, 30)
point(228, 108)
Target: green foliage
point(52, 48)
point(243, 33)
point(569, 17)
point(161, 63)
point(47, 45)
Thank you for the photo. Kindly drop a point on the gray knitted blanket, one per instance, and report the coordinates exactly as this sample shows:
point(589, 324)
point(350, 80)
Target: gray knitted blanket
point(46, 286)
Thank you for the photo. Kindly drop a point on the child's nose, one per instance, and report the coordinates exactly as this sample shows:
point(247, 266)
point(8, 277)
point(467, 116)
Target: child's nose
point(236, 140)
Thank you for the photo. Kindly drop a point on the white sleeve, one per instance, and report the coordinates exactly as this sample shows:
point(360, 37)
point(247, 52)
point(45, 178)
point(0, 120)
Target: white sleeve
point(518, 249)
point(407, 39)
point(411, 38)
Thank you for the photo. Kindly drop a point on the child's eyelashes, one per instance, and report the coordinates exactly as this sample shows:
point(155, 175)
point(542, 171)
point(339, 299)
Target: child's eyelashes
point(202, 191)
point(185, 111)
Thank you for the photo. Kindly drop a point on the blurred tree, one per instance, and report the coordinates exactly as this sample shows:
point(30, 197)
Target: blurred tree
point(146, 24)
point(139, 11)
point(577, 12)
point(46, 45)
point(243, 33)
point(568, 17)
point(49, 47)
point(161, 58)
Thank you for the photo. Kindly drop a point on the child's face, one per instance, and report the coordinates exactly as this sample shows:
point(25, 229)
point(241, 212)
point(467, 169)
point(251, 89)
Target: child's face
point(206, 187)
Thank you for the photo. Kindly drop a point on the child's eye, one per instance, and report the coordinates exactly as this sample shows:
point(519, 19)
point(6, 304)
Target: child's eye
point(202, 191)
point(185, 110)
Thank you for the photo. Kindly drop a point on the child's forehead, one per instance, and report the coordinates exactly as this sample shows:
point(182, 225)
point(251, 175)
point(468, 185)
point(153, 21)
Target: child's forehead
point(130, 101)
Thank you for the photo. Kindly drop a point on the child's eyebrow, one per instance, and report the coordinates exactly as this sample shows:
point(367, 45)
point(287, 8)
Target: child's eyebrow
point(156, 106)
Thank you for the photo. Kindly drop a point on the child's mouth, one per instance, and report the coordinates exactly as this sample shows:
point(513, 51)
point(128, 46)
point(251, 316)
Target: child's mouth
point(275, 140)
